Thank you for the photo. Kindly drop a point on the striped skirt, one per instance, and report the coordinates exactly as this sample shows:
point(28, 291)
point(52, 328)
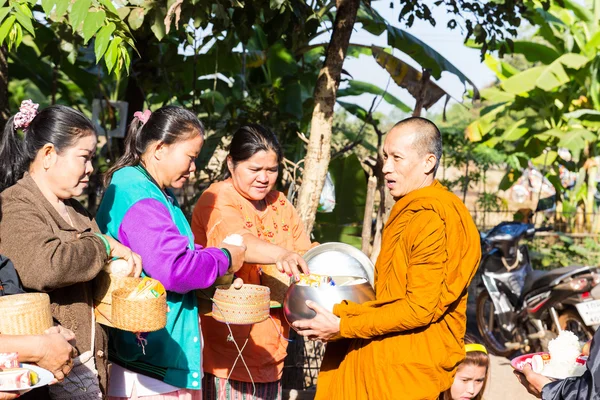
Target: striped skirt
point(214, 388)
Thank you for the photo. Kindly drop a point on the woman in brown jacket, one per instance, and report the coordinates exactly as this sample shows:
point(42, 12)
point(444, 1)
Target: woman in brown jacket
point(56, 247)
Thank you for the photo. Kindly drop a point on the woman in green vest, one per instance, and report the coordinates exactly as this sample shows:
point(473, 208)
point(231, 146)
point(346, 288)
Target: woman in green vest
point(139, 210)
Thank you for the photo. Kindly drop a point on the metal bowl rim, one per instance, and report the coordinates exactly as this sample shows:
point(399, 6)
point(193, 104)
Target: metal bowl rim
point(352, 251)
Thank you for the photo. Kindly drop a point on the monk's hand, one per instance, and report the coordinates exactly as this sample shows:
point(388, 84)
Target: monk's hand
point(8, 395)
point(533, 382)
point(586, 348)
point(292, 264)
point(325, 326)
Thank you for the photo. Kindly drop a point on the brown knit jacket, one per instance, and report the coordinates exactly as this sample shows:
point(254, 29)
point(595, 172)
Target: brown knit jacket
point(52, 256)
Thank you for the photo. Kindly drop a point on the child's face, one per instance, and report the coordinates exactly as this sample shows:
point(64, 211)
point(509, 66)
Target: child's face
point(468, 382)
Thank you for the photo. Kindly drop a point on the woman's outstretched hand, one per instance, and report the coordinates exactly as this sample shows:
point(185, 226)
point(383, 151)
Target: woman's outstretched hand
point(292, 264)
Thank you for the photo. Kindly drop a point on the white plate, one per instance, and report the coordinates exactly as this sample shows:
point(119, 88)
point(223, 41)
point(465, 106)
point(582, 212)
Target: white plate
point(44, 378)
point(590, 312)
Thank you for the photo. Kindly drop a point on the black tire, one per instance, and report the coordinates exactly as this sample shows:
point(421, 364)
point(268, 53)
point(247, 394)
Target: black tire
point(494, 340)
point(570, 320)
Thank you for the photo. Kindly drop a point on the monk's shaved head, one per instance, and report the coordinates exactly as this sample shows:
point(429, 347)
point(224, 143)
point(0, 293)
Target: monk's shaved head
point(427, 136)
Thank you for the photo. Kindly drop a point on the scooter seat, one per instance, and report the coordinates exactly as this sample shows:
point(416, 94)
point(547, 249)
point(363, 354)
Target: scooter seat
point(540, 279)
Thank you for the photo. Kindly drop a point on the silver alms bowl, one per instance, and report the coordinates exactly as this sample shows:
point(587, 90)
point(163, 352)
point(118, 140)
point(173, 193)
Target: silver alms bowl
point(294, 303)
point(339, 259)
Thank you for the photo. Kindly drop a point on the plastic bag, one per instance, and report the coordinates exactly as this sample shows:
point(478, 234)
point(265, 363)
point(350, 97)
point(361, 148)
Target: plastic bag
point(327, 200)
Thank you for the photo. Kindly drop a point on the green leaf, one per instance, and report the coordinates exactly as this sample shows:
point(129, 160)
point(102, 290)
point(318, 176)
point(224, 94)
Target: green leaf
point(555, 181)
point(509, 179)
point(418, 50)
point(555, 75)
point(425, 55)
point(61, 8)
point(276, 4)
point(350, 183)
point(110, 58)
point(78, 13)
point(357, 111)
point(593, 43)
point(290, 100)
point(158, 27)
point(47, 6)
point(24, 17)
point(109, 5)
point(280, 61)
point(515, 131)
point(370, 22)
point(496, 95)
point(4, 11)
point(580, 11)
point(502, 69)
point(535, 52)
point(23, 9)
point(92, 23)
point(136, 18)
point(575, 139)
point(123, 12)
point(6, 27)
point(572, 60)
point(356, 88)
point(545, 159)
point(126, 58)
point(103, 40)
point(523, 82)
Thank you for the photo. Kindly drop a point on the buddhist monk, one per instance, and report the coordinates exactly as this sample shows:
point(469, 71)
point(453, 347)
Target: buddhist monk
point(408, 342)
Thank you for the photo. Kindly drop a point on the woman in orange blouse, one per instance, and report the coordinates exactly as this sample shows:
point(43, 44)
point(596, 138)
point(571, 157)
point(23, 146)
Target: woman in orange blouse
point(246, 204)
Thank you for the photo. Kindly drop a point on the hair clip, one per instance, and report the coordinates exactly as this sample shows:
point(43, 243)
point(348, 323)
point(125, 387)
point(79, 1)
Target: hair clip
point(26, 114)
point(143, 116)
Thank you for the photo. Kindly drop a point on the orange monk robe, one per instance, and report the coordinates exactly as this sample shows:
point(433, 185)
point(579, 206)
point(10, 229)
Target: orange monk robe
point(408, 342)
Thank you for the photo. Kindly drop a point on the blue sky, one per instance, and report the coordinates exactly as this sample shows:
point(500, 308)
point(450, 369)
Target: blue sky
point(447, 42)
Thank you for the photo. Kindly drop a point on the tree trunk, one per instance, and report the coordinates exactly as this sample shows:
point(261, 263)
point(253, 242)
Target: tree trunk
point(368, 218)
point(318, 154)
point(422, 93)
point(4, 109)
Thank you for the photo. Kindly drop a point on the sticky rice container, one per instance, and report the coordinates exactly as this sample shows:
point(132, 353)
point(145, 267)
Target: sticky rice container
point(104, 286)
point(245, 306)
point(25, 314)
point(135, 315)
point(278, 282)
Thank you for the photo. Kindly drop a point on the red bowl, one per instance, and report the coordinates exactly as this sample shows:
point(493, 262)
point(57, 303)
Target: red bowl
point(519, 362)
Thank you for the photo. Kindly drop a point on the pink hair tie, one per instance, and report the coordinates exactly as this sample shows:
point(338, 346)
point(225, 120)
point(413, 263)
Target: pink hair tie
point(143, 116)
point(26, 114)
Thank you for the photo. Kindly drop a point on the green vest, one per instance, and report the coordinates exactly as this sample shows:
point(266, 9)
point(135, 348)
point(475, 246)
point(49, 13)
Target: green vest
point(172, 354)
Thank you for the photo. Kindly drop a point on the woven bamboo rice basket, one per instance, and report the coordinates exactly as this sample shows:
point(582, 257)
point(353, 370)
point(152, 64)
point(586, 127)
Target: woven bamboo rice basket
point(245, 306)
point(147, 315)
point(25, 314)
point(277, 282)
point(104, 285)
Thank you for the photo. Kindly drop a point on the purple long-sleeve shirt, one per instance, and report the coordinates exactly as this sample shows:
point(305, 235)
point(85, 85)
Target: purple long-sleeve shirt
point(148, 229)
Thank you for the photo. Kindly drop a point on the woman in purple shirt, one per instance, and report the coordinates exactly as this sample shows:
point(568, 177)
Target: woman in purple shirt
point(139, 210)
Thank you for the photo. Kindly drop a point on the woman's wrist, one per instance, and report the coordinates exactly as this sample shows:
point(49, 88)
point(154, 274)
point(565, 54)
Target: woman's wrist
point(105, 242)
point(229, 259)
